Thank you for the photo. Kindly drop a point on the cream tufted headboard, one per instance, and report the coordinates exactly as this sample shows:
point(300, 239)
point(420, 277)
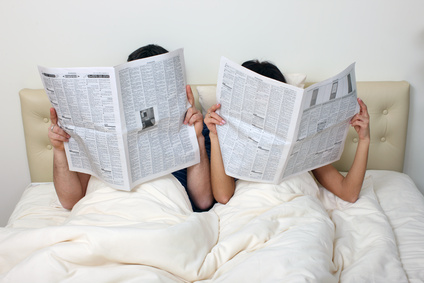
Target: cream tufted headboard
point(388, 105)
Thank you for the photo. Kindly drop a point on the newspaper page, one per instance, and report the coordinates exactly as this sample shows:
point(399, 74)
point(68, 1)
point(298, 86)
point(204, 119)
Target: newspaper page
point(275, 130)
point(327, 108)
point(123, 130)
point(154, 101)
point(261, 115)
point(86, 104)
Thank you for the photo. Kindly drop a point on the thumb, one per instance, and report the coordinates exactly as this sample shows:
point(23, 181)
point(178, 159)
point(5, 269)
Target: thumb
point(190, 96)
point(53, 116)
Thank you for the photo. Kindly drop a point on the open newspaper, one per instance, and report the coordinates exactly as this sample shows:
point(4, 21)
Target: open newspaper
point(274, 130)
point(125, 122)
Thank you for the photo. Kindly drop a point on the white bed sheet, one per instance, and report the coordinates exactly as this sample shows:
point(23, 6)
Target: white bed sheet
point(293, 232)
point(403, 205)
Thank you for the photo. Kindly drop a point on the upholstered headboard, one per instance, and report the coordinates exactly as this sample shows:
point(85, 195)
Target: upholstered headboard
point(387, 101)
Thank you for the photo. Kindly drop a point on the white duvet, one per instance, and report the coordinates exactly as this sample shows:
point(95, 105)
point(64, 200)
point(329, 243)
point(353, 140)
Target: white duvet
point(292, 232)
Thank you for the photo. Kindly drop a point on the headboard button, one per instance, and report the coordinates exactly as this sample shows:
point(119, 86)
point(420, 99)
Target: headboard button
point(46, 120)
point(383, 139)
point(49, 146)
point(385, 112)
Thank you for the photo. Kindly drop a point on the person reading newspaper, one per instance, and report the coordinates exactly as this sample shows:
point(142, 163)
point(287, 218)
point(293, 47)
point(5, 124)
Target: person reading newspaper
point(71, 186)
point(347, 188)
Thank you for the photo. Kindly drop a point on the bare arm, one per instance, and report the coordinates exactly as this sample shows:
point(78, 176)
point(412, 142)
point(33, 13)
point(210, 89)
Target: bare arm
point(223, 186)
point(70, 186)
point(198, 175)
point(349, 187)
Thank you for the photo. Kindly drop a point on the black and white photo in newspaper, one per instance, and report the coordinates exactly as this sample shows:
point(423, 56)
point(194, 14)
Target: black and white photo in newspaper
point(92, 109)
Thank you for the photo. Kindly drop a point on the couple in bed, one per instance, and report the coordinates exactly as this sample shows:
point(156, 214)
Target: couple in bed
point(206, 181)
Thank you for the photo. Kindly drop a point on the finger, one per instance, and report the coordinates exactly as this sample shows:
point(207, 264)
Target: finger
point(57, 140)
point(190, 96)
point(190, 113)
point(195, 118)
point(212, 114)
point(360, 116)
point(53, 115)
point(359, 123)
point(58, 134)
point(363, 107)
point(62, 132)
point(218, 118)
point(56, 129)
point(214, 121)
point(59, 137)
point(214, 107)
point(354, 118)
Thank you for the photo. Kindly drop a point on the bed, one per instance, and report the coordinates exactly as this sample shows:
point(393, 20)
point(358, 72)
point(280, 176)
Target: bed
point(295, 231)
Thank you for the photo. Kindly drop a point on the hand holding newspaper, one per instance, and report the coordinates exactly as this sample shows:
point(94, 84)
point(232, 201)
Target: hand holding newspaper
point(125, 122)
point(274, 130)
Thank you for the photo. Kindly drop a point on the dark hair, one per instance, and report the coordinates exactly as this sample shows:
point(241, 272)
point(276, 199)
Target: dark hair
point(266, 69)
point(146, 51)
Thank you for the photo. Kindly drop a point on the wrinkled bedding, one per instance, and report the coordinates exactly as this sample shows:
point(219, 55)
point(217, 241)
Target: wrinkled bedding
point(292, 232)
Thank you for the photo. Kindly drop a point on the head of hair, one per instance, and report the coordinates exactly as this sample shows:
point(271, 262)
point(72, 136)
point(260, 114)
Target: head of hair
point(146, 51)
point(266, 69)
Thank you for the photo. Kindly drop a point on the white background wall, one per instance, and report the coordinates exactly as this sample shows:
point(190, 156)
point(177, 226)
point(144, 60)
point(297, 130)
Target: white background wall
point(320, 38)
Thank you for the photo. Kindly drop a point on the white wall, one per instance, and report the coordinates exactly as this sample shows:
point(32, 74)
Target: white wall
point(320, 38)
